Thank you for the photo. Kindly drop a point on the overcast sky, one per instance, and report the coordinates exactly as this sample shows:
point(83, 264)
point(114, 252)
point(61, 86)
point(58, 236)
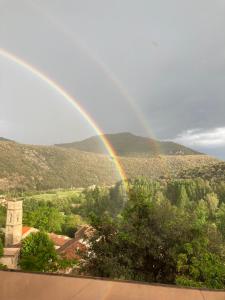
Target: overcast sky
point(148, 67)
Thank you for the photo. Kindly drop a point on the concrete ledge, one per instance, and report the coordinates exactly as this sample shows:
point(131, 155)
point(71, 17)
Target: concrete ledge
point(27, 286)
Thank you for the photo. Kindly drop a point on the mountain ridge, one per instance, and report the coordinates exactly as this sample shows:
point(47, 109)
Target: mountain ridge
point(128, 144)
point(33, 167)
point(2, 139)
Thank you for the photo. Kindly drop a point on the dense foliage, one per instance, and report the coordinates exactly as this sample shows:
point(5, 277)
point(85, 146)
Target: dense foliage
point(99, 200)
point(2, 216)
point(52, 212)
point(2, 267)
point(168, 232)
point(38, 253)
point(45, 218)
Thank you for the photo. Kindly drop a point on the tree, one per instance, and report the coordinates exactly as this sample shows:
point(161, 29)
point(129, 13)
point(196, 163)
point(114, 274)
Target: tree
point(220, 219)
point(2, 267)
point(158, 240)
point(96, 201)
point(38, 253)
point(141, 243)
point(1, 248)
point(198, 267)
point(2, 216)
point(213, 202)
point(45, 218)
point(183, 199)
point(71, 224)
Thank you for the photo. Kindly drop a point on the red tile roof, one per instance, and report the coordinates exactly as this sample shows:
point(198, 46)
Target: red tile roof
point(70, 249)
point(59, 240)
point(25, 229)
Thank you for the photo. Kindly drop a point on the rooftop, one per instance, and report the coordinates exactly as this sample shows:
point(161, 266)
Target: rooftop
point(59, 240)
point(25, 229)
point(69, 250)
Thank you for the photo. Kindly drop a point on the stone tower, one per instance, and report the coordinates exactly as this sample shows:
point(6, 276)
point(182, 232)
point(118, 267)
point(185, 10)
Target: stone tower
point(13, 230)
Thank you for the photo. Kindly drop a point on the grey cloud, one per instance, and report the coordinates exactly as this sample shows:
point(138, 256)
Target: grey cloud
point(169, 55)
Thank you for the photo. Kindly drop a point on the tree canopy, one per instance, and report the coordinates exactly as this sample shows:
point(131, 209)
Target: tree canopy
point(168, 233)
point(38, 253)
point(45, 217)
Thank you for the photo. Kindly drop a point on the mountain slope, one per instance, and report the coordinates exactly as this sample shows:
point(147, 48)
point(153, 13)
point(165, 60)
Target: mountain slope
point(2, 139)
point(209, 172)
point(127, 144)
point(26, 167)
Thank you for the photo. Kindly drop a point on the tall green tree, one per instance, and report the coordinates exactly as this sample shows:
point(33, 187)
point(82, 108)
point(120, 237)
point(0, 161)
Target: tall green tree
point(136, 245)
point(38, 253)
point(183, 199)
point(198, 267)
point(45, 218)
point(71, 225)
point(213, 202)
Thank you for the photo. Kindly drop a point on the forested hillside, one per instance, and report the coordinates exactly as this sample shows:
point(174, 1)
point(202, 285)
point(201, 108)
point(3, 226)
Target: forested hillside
point(26, 167)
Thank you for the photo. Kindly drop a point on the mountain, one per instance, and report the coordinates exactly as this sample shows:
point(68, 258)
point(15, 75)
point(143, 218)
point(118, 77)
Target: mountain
point(127, 144)
point(28, 167)
point(2, 139)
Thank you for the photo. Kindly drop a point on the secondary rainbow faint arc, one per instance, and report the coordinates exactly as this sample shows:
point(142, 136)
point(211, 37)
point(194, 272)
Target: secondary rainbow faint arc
point(107, 71)
point(12, 57)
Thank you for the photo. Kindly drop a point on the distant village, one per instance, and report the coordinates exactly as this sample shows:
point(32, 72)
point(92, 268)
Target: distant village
point(15, 232)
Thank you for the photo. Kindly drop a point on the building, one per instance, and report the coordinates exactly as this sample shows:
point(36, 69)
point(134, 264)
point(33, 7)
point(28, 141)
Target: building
point(59, 240)
point(13, 234)
point(26, 230)
point(10, 258)
point(66, 247)
point(73, 247)
point(14, 219)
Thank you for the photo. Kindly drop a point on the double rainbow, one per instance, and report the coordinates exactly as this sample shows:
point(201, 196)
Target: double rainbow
point(74, 102)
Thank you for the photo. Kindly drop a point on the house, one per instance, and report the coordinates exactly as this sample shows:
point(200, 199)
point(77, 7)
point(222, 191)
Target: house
point(59, 240)
point(71, 249)
point(13, 234)
point(10, 258)
point(26, 230)
point(66, 247)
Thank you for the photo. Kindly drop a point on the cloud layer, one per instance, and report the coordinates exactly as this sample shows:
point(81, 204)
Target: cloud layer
point(168, 55)
point(212, 138)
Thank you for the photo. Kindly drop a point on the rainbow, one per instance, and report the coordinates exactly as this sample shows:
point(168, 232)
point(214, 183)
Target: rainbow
point(55, 86)
point(112, 77)
point(103, 67)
